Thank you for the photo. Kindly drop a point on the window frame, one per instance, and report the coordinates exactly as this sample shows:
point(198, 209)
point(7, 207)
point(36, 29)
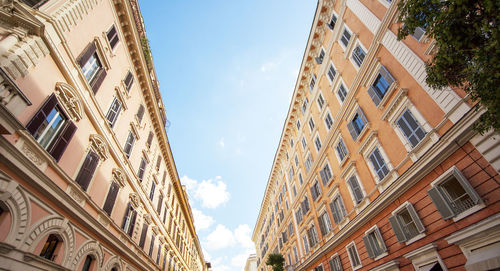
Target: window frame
point(358, 259)
point(353, 58)
point(341, 37)
point(400, 229)
point(374, 243)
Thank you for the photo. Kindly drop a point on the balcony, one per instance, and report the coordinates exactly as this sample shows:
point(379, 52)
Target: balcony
point(12, 103)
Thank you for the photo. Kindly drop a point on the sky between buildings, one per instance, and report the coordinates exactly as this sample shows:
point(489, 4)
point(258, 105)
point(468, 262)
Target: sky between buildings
point(227, 70)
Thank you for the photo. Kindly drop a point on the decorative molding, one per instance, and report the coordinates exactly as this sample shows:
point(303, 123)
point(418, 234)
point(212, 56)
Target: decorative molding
point(99, 145)
point(33, 155)
point(68, 15)
point(76, 194)
point(154, 228)
point(89, 247)
point(134, 199)
point(70, 101)
point(394, 104)
point(119, 176)
point(12, 195)
point(147, 218)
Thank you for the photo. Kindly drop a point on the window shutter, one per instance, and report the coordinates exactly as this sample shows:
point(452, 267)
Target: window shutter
point(129, 80)
point(313, 193)
point(398, 231)
point(41, 115)
point(322, 228)
point(440, 203)
point(87, 170)
point(160, 202)
point(374, 96)
point(111, 198)
point(158, 162)
point(150, 139)
point(143, 235)
point(415, 218)
point(324, 179)
point(126, 216)
point(362, 116)
point(335, 213)
point(132, 223)
point(356, 190)
point(140, 113)
point(96, 83)
point(468, 188)
point(368, 246)
point(379, 237)
point(353, 132)
point(386, 74)
point(63, 140)
point(112, 37)
point(86, 54)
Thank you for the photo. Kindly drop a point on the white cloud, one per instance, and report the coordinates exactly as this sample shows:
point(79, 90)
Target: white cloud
point(268, 66)
point(242, 234)
point(218, 266)
point(220, 238)
point(211, 193)
point(202, 221)
point(221, 143)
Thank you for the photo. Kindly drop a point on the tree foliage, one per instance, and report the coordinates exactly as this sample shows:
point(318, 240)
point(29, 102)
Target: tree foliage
point(276, 260)
point(467, 36)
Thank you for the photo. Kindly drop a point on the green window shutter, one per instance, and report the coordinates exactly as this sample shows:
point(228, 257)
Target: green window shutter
point(398, 231)
point(386, 74)
point(415, 218)
point(352, 131)
point(373, 95)
point(440, 203)
point(379, 237)
point(468, 188)
point(368, 246)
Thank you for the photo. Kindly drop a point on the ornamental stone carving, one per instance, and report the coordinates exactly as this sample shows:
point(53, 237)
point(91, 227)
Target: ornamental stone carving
point(134, 199)
point(147, 218)
point(119, 176)
point(98, 143)
point(155, 229)
point(69, 99)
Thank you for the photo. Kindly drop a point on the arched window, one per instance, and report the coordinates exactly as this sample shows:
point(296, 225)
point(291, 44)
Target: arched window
point(5, 221)
point(50, 247)
point(88, 263)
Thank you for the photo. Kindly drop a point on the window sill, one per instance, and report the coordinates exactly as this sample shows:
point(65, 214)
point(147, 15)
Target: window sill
point(362, 205)
point(380, 256)
point(468, 212)
point(415, 238)
point(357, 267)
point(388, 93)
point(344, 222)
point(387, 180)
point(362, 133)
point(342, 163)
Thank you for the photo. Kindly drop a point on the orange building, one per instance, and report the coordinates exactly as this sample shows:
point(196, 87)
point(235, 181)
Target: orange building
point(375, 170)
point(87, 177)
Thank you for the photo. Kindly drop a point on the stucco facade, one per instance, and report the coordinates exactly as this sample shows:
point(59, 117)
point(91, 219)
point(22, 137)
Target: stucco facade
point(87, 177)
point(375, 170)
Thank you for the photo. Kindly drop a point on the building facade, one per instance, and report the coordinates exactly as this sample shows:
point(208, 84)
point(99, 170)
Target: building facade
point(375, 170)
point(251, 263)
point(87, 176)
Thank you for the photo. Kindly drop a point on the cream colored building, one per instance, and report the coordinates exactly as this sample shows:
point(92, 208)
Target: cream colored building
point(375, 170)
point(251, 263)
point(87, 176)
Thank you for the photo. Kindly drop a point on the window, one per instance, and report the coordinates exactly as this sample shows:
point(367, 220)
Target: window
point(452, 194)
point(410, 127)
point(320, 101)
point(142, 169)
point(341, 92)
point(304, 144)
point(129, 80)
point(290, 229)
point(92, 67)
point(357, 124)
point(129, 220)
point(144, 232)
point(160, 202)
point(374, 243)
point(309, 162)
point(152, 191)
point(291, 146)
point(315, 190)
point(318, 268)
point(158, 255)
point(296, 161)
point(338, 209)
point(378, 163)
point(406, 224)
point(50, 247)
point(294, 190)
point(112, 36)
point(311, 124)
point(418, 33)
point(306, 242)
point(51, 128)
point(341, 150)
point(158, 162)
point(324, 223)
point(295, 254)
point(321, 56)
point(299, 216)
point(129, 144)
point(111, 198)
point(87, 170)
point(346, 36)
point(304, 205)
point(140, 113)
point(88, 263)
point(326, 174)
point(300, 178)
point(356, 190)
point(335, 263)
point(290, 173)
point(380, 86)
point(353, 256)
point(358, 55)
point(298, 124)
point(331, 72)
point(312, 83)
point(332, 22)
point(304, 106)
point(317, 143)
point(114, 111)
point(328, 121)
point(152, 244)
point(312, 236)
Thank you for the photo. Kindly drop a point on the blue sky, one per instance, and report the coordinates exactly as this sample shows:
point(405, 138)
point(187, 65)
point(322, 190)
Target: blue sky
point(227, 70)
